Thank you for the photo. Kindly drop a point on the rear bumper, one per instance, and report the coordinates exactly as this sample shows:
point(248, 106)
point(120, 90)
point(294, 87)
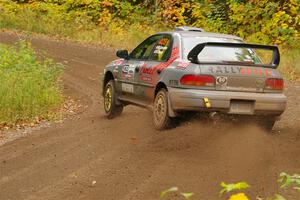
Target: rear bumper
point(225, 101)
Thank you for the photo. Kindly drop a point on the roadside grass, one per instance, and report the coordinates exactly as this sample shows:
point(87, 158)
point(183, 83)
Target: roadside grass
point(289, 64)
point(54, 20)
point(30, 89)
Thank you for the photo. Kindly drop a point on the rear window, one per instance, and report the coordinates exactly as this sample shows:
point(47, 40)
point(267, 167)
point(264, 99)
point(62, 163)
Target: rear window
point(219, 54)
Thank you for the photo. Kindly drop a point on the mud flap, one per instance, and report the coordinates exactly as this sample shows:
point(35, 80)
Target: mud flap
point(118, 102)
point(171, 112)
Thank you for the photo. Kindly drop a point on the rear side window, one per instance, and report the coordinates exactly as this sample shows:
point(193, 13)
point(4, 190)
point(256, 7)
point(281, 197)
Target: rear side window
point(144, 50)
point(162, 49)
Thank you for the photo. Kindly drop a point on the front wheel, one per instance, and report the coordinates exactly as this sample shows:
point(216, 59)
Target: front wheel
point(110, 101)
point(161, 118)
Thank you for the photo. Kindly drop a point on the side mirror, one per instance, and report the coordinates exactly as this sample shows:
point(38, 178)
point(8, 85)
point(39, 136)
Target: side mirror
point(122, 54)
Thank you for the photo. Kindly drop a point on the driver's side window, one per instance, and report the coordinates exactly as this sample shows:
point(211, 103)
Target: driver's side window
point(144, 50)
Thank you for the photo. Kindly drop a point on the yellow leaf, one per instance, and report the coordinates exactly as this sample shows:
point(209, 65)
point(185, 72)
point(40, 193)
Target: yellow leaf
point(239, 196)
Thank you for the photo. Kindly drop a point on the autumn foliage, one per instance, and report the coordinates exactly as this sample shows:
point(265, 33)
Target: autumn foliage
point(265, 21)
point(124, 24)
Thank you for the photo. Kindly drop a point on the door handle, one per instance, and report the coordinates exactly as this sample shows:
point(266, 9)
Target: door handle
point(137, 69)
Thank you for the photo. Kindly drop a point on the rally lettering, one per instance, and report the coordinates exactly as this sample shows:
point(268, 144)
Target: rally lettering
point(232, 70)
point(219, 70)
point(227, 70)
point(249, 71)
point(268, 72)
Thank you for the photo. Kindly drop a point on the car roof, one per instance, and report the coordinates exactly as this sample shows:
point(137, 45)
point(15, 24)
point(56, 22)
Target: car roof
point(188, 33)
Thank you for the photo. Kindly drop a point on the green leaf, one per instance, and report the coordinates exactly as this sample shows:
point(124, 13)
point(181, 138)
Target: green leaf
point(297, 188)
point(187, 195)
point(233, 186)
point(278, 197)
point(287, 180)
point(165, 192)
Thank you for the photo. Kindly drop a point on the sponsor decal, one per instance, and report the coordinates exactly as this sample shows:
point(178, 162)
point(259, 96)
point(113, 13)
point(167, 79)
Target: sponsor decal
point(127, 87)
point(118, 62)
point(146, 78)
point(183, 65)
point(146, 73)
point(128, 71)
point(149, 74)
point(240, 70)
point(163, 41)
point(160, 49)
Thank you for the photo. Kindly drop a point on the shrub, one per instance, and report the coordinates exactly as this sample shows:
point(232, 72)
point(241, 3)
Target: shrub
point(29, 87)
point(263, 21)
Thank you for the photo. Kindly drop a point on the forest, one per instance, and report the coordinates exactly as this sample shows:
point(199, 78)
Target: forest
point(69, 150)
point(264, 21)
point(124, 24)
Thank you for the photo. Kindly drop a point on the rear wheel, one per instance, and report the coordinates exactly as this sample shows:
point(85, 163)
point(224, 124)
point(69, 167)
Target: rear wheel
point(161, 118)
point(110, 101)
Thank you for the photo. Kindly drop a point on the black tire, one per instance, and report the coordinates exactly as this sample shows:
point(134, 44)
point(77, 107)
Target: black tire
point(161, 117)
point(110, 101)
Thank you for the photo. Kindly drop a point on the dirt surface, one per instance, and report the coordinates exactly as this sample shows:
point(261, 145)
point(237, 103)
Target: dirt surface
point(90, 157)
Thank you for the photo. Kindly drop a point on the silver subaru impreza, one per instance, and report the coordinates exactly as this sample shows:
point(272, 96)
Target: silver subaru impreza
point(189, 69)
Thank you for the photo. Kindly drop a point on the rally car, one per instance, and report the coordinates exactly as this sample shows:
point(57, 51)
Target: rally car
point(189, 69)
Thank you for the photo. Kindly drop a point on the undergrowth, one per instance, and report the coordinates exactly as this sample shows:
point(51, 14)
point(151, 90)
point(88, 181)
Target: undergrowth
point(29, 88)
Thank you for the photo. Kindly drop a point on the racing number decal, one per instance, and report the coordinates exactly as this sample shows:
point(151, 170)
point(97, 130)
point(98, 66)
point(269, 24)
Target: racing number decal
point(150, 75)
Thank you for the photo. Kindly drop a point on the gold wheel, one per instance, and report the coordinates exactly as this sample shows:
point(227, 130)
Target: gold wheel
point(160, 108)
point(161, 118)
point(108, 98)
point(111, 107)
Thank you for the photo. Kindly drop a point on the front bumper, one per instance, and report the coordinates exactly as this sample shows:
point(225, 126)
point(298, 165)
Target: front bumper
point(230, 102)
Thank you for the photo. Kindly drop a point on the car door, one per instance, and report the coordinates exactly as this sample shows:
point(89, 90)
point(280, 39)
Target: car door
point(151, 70)
point(129, 71)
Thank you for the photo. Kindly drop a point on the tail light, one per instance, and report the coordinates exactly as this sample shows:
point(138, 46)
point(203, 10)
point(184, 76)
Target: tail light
point(274, 84)
point(198, 80)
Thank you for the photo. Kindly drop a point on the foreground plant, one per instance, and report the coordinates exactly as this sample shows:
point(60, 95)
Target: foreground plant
point(185, 195)
point(239, 196)
point(30, 88)
point(285, 181)
point(227, 188)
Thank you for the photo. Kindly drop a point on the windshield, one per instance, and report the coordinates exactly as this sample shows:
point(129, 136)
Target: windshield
point(219, 54)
